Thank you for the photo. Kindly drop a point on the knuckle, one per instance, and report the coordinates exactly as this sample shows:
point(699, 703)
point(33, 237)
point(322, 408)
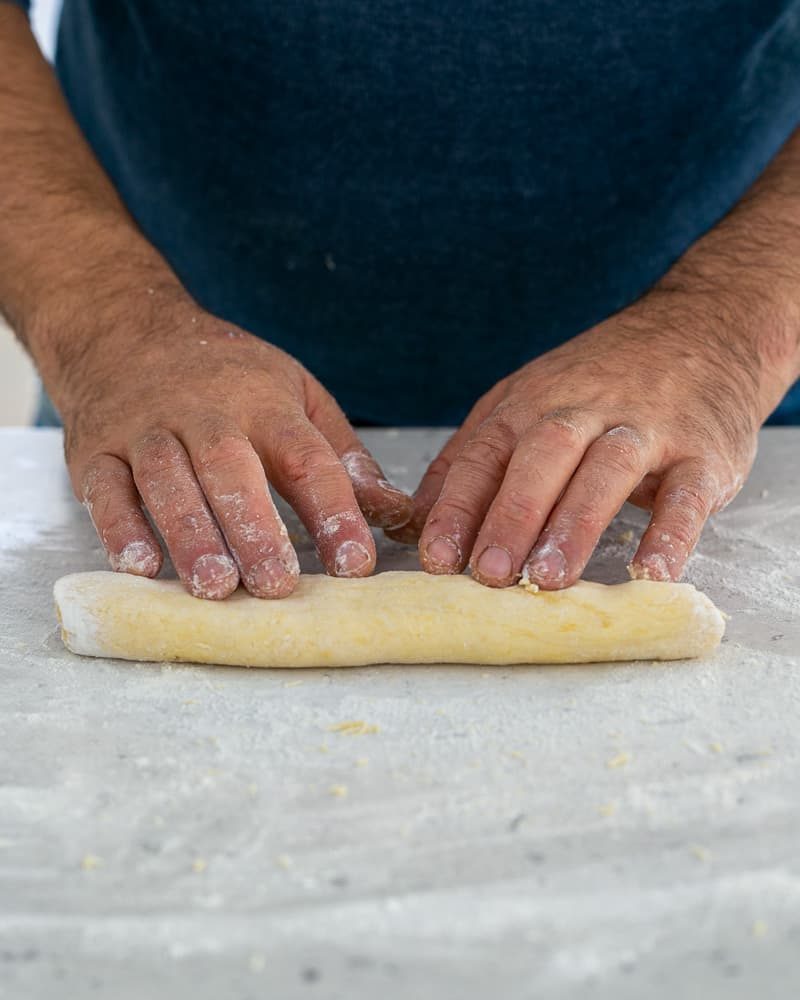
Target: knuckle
point(221, 450)
point(520, 509)
point(507, 422)
point(92, 479)
point(583, 519)
point(185, 525)
point(120, 525)
point(304, 463)
point(624, 447)
point(102, 483)
point(449, 509)
point(627, 432)
point(620, 466)
point(475, 464)
point(484, 455)
point(438, 468)
point(687, 498)
point(680, 533)
point(693, 495)
point(563, 428)
point(156, 450)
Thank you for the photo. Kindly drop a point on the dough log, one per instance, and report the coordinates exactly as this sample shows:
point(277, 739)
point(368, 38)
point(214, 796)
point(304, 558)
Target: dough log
point(388, 618)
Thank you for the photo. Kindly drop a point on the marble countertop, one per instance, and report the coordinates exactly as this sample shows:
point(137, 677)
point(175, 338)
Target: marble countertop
point(628, 830)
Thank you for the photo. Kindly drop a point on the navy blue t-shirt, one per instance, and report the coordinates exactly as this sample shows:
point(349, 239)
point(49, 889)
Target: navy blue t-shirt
point(416, 198)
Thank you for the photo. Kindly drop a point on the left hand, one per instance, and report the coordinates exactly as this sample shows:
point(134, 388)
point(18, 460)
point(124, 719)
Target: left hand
point(659, 405)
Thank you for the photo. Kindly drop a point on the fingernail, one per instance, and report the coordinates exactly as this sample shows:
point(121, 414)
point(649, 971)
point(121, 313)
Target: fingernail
point(396, 510)
point(391, 488)
point(350, 558)
point(270, 578)
point(214, 577)
point(652, 567)
point(138, 558)
point(442, 553)
point(390, 511)
point(406, 535)
point(494, 563)
point(546, 564)
point(394, 520)
point(402, 509)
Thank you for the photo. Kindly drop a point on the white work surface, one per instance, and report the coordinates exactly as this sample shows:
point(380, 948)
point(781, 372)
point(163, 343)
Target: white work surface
point(627, 831)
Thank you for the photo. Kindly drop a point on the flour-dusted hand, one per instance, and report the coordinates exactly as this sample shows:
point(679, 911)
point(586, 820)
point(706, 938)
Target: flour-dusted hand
point(659, 405)
point(163, 404)
point(193, 417)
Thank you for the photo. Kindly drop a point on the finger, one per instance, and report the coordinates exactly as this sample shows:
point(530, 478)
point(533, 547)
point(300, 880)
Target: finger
point(111, 497)
point(537, 474)
point(608, 474)
point(167, 483)
point(645, 493)
point(306, 471)
point(234, 483)
point(383, 505)
point(427, 493)
point(681, 508)
point(469, 488)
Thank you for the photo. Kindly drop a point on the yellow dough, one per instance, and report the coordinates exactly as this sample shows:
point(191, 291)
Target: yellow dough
point(388, 618)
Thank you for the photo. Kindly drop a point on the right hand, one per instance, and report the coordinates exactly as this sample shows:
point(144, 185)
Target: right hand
point(191, 417)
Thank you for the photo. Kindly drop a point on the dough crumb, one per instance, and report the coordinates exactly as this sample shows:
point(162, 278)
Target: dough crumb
point(624, 537)
point(607, 809)
point(362, 761)
point(284, 861)
point(619, 760)
point(354, 727)
point(90, 862)
point(527, 584)
point(199, 865)
point(700, 852)
point(715, 746)
point(338, 791)
point(759, 929)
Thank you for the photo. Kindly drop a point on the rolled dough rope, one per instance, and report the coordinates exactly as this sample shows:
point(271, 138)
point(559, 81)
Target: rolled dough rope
point(388, 618)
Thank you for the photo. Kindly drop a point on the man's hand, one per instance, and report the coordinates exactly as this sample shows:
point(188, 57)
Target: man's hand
point(658, 405)
point(188, 415)
point(161, 402)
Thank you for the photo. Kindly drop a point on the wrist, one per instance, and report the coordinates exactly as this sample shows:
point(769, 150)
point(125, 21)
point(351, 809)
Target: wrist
point(752, 315)
point(83, 312)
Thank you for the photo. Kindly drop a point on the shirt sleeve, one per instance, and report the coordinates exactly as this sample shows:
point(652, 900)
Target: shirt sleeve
point(25, 4)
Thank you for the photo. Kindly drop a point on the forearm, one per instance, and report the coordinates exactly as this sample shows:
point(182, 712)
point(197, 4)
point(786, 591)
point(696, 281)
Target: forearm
point(66, 239)
point(747, 268)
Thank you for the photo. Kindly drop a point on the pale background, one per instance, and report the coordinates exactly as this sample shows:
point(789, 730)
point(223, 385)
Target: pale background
point(18, 385)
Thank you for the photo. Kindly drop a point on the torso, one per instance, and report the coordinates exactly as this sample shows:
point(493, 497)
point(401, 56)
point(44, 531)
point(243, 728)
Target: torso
point(417, 198)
